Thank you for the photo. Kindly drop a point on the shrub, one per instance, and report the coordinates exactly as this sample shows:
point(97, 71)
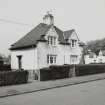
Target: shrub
point(13, 77)
point(89, 69)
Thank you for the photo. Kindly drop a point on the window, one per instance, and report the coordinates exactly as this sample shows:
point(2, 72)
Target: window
point(73, 43)
point(51, 59)
point(51, 40)
point(73, 59)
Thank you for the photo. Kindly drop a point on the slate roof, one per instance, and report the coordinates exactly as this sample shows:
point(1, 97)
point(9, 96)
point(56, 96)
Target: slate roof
point(38, 33)
point(60, 33)
point(68, 33)
point(31, 38)
point(34, 35)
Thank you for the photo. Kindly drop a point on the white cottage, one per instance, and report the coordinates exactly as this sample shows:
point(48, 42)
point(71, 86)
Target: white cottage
point(46, 45)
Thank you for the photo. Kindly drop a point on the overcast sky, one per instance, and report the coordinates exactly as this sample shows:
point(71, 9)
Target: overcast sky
point(87, 17)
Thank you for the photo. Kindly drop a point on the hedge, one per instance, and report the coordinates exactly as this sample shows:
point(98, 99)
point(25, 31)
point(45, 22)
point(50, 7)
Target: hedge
point(66, 71)
point(55, 72)
point(88, 69)
point(45, 74)
point(60, 72)
point(5, 67)
point(13, 77)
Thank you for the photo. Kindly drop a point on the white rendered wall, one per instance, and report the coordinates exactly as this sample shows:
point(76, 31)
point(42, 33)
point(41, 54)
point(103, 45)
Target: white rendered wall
point(63, 52)
point(29, 59)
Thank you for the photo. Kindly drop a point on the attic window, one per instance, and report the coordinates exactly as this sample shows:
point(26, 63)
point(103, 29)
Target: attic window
point(51, 40)
point(73, 43)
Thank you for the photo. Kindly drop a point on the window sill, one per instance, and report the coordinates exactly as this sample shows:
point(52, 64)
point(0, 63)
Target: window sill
point(52, 45)
point(51, 64)
point(74, 47)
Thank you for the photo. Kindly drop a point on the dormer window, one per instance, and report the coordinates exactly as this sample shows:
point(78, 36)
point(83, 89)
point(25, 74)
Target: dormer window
point(73, 43)
point(52, 40)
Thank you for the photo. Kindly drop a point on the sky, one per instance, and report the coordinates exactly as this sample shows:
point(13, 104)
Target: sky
point(18, 17)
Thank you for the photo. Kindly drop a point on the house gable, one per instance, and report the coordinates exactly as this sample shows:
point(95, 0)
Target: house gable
point(52, 32)
point(74, 36)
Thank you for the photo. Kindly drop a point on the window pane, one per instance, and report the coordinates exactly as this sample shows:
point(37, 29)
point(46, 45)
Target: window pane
point(73, 43)
point(51, 59)
point(54, 59)
point(52, 40)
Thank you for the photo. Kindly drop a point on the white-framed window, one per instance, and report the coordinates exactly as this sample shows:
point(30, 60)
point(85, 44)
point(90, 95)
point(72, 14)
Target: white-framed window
point(52, 40)
point(73, 43)
point(73, 59)
point(51, 59)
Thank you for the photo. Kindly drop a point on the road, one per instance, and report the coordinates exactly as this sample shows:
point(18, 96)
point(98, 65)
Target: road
point(91, 93)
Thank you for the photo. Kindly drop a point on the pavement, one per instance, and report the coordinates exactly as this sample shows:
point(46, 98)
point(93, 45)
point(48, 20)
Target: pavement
point(34, 86)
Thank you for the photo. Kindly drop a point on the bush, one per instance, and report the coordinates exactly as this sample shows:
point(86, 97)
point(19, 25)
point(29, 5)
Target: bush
point(13, 77)
point(89, 69)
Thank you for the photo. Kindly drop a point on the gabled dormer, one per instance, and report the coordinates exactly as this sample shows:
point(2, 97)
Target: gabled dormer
point(71, 38)
point(52, 36)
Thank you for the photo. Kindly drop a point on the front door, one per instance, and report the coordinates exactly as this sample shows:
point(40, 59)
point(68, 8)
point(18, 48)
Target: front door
point(19, 62)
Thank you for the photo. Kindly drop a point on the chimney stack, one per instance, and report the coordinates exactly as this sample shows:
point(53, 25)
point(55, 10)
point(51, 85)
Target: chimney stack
point(48, 19)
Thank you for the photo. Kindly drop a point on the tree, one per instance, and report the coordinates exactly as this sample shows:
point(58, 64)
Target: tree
point(95, 46)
